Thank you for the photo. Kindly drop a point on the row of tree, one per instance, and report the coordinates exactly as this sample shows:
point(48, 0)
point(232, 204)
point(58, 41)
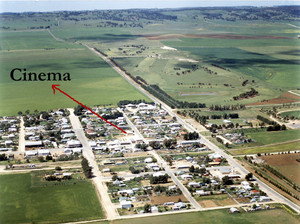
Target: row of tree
point(87, 170)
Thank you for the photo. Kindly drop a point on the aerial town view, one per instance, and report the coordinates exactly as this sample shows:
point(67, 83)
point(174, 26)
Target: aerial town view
point(136, 112)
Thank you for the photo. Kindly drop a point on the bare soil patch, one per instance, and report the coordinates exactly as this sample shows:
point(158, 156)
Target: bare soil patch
point(207, 203)
point(285, 98)
point(157, 200)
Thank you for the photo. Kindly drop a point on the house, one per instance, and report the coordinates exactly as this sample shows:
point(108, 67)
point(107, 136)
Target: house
point(233, 210)
point(246, 185)
point(33, 144)
point(225, 170)
point(43, 152)
point(189, 143)
point(158, 174)
point(264, 199)
point(202, 192)
point(255, 192)
point(179, 205)
point(213, 163)
point(194, 184)
point(169, 203)
point(128, 192)
point(106, 170)
point(107, 162)
point(154, 209)
point(148, 160)
point(183, 167)
point(186, 177)
point(117, 182)
point(77, 150)
point(172, 187)
point(30, 153)
point(153, 166)
point(214, 155)
point(68, 151)
point(74, 144)
point(126, 204)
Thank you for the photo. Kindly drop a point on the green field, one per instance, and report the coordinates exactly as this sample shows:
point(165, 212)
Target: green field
point(23, 203)
point(29, 40)
point(93, 82)
point(269, 64)
point(263, 137)
point(276, 216)
point(295, 113)
point(268, 149)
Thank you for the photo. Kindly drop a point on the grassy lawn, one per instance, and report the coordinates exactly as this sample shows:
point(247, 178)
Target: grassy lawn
point(22, 203)
point(268, 149)
point(276, 216)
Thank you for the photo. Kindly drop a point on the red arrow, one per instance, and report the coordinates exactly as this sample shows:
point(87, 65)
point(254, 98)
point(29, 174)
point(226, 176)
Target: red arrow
point(54, 87)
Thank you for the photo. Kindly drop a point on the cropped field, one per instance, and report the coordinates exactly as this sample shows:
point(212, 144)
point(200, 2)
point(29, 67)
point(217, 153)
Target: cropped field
point(23, 203)
point(285, 164)
point(276, 216)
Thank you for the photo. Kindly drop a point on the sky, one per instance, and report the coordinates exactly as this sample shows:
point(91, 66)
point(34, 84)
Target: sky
point(55, 5)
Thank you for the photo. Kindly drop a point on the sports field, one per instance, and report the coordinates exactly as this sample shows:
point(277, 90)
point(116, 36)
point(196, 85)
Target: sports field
point(23, 202)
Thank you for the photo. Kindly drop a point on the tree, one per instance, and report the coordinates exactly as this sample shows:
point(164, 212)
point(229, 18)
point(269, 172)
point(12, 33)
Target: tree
point(226, 180)
point(3, 157)
point(115, 177)
point(86, 168)
point(48, 157)
point(169, 160)
point(249, 176)
point(20, 113)
point(41, 159)
point(147, 208)
point(155, 144)
point(192, 169)
point(58, 168)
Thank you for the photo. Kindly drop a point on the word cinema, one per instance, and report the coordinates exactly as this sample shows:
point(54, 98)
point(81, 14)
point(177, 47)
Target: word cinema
point(18, 74)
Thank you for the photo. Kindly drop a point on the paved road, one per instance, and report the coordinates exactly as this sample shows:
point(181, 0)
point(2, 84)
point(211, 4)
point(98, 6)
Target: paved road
point(236, 166)
point(21, 147)
point(89, 155)
point(162, 162)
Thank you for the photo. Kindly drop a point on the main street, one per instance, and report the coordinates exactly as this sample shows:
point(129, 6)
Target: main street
point(237, 167)
point(87, 152)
